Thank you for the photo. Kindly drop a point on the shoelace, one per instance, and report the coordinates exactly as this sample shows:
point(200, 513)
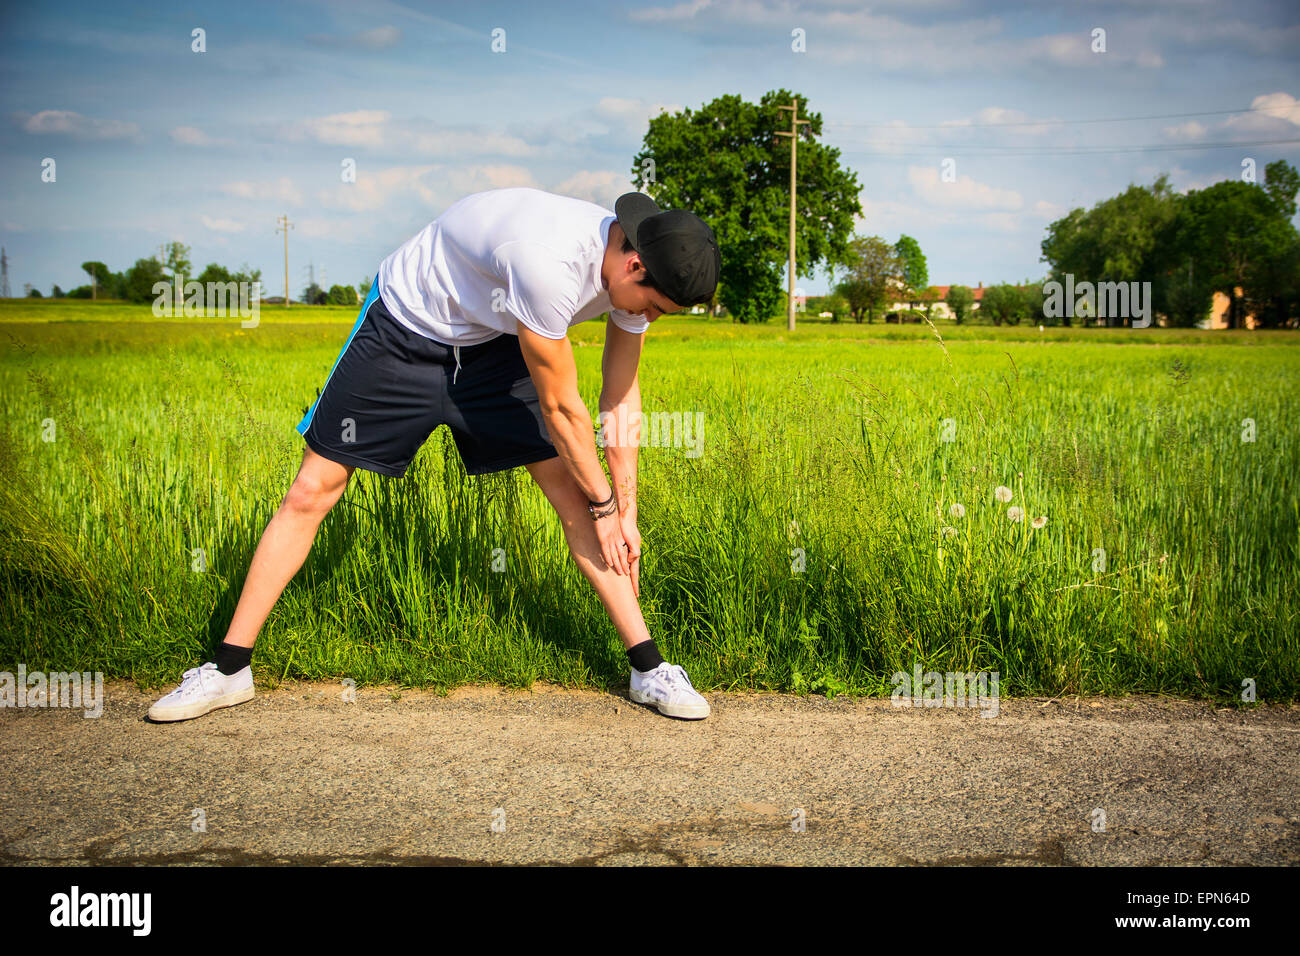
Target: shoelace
point(668, 679)
point(193, 679)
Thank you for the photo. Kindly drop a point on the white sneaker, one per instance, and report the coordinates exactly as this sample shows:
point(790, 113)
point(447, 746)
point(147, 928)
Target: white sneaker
point(204, 689)
point(668, 688)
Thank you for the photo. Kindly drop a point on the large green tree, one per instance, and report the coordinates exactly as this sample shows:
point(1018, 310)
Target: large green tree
point(1122, 239)
point(961, 302)
point(1235, 236)
point(176, 259)
point(916, 274)
point(873, 271)
point(725, 163)
point(105, 284)
point(139, 280)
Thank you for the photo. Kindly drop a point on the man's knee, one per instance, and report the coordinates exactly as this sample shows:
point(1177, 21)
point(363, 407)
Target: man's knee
point(319, 484)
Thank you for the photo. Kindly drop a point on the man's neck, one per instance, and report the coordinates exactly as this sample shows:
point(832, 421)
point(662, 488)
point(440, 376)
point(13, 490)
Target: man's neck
point(613, 247)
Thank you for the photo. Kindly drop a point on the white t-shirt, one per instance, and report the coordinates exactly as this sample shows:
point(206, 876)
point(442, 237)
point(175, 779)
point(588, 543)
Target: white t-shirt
point(503, 255)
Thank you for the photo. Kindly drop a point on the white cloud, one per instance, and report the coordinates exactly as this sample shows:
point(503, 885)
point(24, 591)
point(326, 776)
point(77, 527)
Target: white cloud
point(1186, 132)
point(379, 38)
point(193, 136)
point(281, 190)
point(963, 193)
point(632, 115)
point(377, 130)
point(434, 187)
point(221, 225)
point(376, 190)
point(66, 122)
point(679, 11)
point(602, 186)
point(1003, 222)
point(1276, 112)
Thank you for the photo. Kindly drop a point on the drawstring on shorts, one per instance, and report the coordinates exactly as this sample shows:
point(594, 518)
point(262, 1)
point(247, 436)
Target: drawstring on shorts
point(456, 350)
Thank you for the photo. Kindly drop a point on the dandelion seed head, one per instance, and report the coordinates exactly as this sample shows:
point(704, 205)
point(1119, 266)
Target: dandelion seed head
point(1040, 521)
point(949, 532)
point(1002, 493)
point(1015, 514)
point(957, 510)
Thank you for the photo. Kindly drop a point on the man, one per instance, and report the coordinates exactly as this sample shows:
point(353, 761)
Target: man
point(466, 325)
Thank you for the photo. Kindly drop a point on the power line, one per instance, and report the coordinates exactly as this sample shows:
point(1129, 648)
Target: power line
point(1066, 150)
point(1061, 122)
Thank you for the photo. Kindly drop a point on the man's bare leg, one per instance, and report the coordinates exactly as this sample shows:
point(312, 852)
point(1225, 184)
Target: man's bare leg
point(286, 542)
point(614, 589)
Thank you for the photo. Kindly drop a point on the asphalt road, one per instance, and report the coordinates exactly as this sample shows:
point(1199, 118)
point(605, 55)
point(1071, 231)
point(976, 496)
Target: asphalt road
point(552, 776)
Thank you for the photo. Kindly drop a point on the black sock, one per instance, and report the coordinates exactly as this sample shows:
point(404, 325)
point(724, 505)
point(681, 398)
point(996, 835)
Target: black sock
point(644, 656)
point(231, 658)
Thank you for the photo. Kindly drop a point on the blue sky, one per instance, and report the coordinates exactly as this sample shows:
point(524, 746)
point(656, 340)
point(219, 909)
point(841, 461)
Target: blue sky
point(153, 141)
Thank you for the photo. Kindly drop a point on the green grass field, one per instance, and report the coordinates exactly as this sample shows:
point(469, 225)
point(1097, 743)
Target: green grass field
point(172, 436)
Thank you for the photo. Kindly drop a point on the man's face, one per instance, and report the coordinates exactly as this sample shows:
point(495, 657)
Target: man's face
point(627, 292)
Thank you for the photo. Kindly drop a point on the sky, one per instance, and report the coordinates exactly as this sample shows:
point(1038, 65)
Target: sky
point(971, 126)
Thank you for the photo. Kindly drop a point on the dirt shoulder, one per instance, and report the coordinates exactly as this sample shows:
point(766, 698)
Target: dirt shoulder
point(298, 775)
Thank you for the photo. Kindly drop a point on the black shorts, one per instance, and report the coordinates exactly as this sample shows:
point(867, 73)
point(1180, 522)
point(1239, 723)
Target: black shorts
point(391, 387)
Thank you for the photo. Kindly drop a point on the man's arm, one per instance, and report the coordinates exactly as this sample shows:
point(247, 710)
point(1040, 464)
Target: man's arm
point(550, 362)
point(620, 405)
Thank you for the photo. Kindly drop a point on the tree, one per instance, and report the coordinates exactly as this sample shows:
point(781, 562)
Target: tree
point(836, 305)
point(1232, 231)
point(139, 280)
point(34, 293)
point(725, 163)
point(873, 271)
point(176, 258)
point(57, 293)
point(342, 295)
point(1273, 296)
point(1003, 303)
point(961, 300)
point(1122, 239)
point(363, 288)
point(213, 272)
point(1031, 300)
point(916, 276)
point(1281, 182)
point(104, 284)
point(314, 295)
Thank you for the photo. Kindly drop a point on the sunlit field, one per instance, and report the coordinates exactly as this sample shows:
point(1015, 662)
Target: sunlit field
point(839, 523)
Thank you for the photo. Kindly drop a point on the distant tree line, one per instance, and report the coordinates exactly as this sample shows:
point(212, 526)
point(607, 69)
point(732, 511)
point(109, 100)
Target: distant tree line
point(136, 284)
point(1234, 237)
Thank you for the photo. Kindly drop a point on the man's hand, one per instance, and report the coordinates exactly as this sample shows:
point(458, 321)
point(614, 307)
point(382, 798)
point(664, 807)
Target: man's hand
point(632, 536)
point(609, 531)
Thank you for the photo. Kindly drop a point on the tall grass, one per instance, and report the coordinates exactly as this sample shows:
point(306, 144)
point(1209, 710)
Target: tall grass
point(823, 448)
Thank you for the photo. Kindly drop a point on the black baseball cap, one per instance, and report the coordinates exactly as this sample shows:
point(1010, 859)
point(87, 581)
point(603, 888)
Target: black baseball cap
point(677, 248)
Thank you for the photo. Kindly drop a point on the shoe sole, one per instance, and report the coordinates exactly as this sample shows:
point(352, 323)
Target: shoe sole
point(199, 708)
point(684, 711)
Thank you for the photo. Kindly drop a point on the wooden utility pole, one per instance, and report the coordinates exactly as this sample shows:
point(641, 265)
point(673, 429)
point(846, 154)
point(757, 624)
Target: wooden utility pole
point(794, 154)
point(284, 226)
